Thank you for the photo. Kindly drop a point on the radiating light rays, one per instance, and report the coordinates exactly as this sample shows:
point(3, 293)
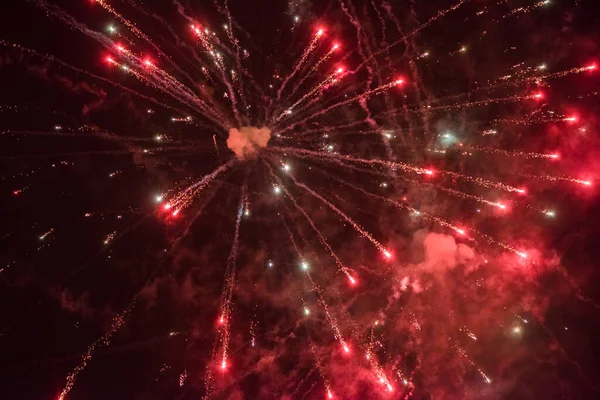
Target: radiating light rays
point(405, 167)
point(315, 67)
point(342, 267)
point(362, 96)
point(307, 51)
point(138, 33)
point(524, 9)
point(342, 157)
point(319, 87)
point(520, 154)
point(144, 73)
point(355, 225)
point(553, 178)
point(464, 354)
point(183, 199)
point(218, 61)
point(117, 322)
point(157, 78)
point(403, 39)
point(320, 367)
point(222, 96)
point(345, 348)
point(462, 231)
point(331, 319)
point(227, 295)
point(465, 105)
point(485, 182)
point(497, 204)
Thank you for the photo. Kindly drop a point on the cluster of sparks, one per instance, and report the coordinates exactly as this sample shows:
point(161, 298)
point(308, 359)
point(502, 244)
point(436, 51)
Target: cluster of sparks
point(118, 321)
point(109, 238)
point(317, 86)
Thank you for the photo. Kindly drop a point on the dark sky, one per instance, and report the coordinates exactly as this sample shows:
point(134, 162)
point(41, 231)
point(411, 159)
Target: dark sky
point(83, 242)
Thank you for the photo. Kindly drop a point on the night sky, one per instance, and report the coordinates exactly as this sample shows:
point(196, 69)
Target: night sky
point(269, 199)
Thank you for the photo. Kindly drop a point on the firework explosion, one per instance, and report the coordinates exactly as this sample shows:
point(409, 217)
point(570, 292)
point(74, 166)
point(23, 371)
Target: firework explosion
point(345, 203)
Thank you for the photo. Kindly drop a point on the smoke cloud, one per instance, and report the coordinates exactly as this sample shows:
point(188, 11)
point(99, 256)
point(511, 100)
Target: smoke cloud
point(248, 140)
point(442, 250)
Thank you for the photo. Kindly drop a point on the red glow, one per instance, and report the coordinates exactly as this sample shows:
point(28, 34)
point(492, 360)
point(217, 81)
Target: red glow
point(352, 280)
point(109, 59)
point(346, 349)
point(572, 119)
point(340, 70)
point(587, 183)
point(148, 62)
point(591, 67)
point(555, 156)
point(224, 365)
point(399, 81)
point(387, 254)
point(522, 191)
point(16, 192)
point(221, 320)
point(175, 213)
point(460, 231)
point(429, 172)
point(320, 32)
point(120, 47)
point(539, 95)
point(167, 206)
point(335, 46)
point(329, 395)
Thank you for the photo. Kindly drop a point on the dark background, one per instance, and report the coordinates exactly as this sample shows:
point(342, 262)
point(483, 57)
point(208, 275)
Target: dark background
point(59, 295)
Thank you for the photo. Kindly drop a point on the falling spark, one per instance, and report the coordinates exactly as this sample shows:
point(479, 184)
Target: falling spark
point(110, 237)
point(117, 322)
point(48, 233)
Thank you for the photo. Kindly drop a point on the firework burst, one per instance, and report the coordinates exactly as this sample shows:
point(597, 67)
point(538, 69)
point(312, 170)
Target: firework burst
point(352, 166)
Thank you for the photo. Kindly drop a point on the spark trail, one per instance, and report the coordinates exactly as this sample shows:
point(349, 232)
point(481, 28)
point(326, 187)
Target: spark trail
point(117, 322)
point(452, 192)
point(309, 49)
point(362, 96)
point(226, 297)
point(356, 226)
point(404, 167)
point(341, 266)
point(316, 288)
point(315, 67)
point(185, 198)
point(458, 229)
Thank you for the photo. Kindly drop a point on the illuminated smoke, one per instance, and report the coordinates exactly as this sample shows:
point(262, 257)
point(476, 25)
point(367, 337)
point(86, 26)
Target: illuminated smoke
point(248, 140)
